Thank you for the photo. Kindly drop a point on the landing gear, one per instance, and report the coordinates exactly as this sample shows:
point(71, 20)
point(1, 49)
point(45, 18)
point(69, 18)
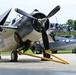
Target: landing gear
point(38, 47)
point(14, 56)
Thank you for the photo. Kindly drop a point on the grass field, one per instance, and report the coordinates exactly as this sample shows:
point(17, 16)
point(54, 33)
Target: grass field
point(30, 52)
point(5, 52)
point(66, 33)
point(64, 51)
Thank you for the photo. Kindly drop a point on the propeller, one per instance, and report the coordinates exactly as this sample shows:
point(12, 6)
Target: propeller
point(45, 42)
point(54, 11)
point(24, 13)
point(41, 22)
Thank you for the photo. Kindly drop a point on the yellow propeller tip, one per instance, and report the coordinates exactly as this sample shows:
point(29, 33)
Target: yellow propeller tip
point(59, 6)
point(15, 9)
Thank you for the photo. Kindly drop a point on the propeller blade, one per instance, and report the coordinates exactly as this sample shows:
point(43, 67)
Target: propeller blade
point(45, 39)
point(54, 11)
point(45, 42)
point(24, 13)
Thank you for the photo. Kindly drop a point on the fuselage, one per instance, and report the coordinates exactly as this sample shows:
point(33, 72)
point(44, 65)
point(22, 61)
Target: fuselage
point(25, 30)
point(62, 45)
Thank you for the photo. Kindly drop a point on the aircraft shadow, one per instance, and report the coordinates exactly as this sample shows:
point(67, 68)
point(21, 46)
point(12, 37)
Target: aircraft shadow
point(22, 61)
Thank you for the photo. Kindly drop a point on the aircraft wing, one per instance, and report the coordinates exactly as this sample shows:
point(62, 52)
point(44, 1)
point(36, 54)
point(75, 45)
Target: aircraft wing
point(4, 16)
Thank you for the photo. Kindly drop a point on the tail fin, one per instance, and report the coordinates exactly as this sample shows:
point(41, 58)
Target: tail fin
point(4, 16)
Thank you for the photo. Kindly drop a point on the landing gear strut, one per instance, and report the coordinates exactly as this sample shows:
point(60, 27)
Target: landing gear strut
point(14, 56)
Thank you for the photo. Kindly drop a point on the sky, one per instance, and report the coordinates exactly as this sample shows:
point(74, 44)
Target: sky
point(67, 11)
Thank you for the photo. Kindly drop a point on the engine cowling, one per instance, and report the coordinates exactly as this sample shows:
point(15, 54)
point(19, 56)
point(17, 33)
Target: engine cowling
point(36, 25)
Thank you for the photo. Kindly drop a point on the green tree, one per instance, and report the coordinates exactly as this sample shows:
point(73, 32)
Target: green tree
point(75, 24)
point(70, 22)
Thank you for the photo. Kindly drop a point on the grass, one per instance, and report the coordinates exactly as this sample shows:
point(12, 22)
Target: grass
point(5, 52)
point(30, 52)
point(65, 33)
point(64, 51)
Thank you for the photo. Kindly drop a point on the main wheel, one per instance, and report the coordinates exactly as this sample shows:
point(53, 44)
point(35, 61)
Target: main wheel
point(14, 56)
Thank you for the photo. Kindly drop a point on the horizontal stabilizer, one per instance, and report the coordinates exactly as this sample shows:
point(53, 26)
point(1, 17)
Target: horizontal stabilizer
point(4, 16)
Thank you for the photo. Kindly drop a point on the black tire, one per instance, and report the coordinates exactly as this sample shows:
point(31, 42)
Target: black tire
point(14, 56)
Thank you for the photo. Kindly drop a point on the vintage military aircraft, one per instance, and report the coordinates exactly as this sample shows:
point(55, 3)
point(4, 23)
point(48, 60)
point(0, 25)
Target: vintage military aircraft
point(27, 29)
point(58, 43)
point(62, 43)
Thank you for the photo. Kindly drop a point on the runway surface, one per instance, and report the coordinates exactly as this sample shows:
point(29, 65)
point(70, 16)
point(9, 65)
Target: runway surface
point(27, 65)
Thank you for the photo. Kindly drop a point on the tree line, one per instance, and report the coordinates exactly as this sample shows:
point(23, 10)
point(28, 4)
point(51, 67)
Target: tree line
point(71, 23)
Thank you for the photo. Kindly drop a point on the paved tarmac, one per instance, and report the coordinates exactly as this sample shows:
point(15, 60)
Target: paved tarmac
point(27, 65)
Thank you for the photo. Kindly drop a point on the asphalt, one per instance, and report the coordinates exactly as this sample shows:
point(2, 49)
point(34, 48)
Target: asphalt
point(27, 65)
